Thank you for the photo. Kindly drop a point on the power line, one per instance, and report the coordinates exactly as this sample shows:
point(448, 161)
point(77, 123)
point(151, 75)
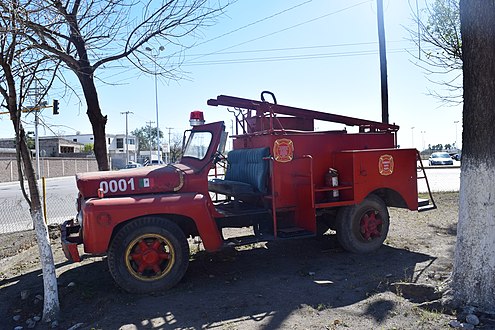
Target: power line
point(293, 57)
point(285, 29)
point(254, 23)
point(293, 48)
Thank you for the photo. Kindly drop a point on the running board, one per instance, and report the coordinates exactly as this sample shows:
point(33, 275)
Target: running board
point(294, 232)
point(246, 240)
point(424, 205)
point(427, 208)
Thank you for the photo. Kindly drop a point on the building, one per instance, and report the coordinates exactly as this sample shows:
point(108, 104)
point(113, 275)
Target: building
point(52, 146)
point(116, 147)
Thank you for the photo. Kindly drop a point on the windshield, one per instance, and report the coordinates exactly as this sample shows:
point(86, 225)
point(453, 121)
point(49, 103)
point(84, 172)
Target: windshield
point(197, 145)
point(440, 155)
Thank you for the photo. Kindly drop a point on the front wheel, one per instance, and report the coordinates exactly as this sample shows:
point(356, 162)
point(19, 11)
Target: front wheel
point(148, 254)
point(362, 228)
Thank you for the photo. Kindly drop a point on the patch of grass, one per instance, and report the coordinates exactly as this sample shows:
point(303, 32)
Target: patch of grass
point(321, 307)
point(426, 316)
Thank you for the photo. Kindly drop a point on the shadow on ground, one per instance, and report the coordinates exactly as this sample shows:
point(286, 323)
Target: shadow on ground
point(264, 284)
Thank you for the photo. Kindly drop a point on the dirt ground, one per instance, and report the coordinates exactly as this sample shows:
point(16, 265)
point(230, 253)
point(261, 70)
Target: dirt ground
point(300, 284)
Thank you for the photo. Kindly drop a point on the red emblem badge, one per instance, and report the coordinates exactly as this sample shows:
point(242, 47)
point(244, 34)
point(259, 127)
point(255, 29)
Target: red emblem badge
point(386, 165)
point(283, 150)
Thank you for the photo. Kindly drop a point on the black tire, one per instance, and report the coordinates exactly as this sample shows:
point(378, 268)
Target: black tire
point(363, 228)
point(164, 246)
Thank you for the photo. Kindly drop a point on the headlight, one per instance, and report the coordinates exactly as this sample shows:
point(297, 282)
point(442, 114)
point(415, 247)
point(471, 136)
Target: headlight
point(79, 218)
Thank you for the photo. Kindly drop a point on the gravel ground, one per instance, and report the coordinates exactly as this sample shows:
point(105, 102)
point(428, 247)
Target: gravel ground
point(300, 284)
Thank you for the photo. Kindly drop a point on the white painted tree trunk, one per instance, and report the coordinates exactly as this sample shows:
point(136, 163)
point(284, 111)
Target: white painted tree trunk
point(51, 305)
point(473, 278)
point(474, 260)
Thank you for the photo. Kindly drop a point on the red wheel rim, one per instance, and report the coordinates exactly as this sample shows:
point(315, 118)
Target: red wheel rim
point(371, 225)
point(149, 257)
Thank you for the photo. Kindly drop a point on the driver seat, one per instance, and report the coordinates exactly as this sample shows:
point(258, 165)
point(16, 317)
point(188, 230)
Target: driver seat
point(246, 175)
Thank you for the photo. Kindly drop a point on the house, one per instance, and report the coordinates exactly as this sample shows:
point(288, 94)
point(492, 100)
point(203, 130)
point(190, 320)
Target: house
point(51, 146)
point(116, 147)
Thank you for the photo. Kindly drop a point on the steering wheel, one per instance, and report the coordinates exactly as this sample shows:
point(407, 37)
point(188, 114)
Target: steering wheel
point(219, 157)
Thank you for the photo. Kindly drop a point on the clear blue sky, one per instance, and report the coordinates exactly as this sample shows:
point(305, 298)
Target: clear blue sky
point(320, 55)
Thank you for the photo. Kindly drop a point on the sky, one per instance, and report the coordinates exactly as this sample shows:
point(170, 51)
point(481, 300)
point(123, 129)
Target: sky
point(315, 54)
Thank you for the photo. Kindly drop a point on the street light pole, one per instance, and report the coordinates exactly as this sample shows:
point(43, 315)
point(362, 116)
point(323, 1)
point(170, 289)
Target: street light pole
point(156, 97)
point(423, 138)
point(150, 140)
point(126, 113)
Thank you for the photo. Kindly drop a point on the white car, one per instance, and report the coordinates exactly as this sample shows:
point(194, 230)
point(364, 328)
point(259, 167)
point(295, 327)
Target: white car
point(133, 165)
point(440, 158)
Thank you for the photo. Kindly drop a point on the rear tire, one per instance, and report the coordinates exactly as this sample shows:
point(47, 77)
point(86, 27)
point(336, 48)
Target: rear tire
point(363, 228)
point(148, 254)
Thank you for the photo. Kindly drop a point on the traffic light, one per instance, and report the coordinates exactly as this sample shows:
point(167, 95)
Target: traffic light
point(55, 107)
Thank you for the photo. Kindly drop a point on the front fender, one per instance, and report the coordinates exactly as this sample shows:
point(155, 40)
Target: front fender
point(101, 216)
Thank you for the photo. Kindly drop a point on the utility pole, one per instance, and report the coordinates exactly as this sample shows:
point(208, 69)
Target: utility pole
point(169, 133)
point(150, 139)
point(383, 61)
point(126, 113)
point(154, 53)
point(36, 108)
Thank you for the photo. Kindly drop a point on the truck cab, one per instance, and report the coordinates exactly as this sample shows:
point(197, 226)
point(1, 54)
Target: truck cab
point(282, 180)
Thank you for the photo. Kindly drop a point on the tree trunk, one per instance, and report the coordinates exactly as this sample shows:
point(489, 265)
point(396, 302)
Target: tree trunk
point(473, 280)
point(51, 307)
point(98, 121)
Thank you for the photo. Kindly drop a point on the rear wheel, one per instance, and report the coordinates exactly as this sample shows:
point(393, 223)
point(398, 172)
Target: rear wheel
point(148, 254)
point(362, 228)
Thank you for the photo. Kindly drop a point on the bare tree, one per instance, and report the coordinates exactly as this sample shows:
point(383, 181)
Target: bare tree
point(21, 68)
point(438, 38)
point(89, 35)
point(474, 258)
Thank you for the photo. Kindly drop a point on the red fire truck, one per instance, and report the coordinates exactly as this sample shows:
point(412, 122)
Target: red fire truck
point(282, 180)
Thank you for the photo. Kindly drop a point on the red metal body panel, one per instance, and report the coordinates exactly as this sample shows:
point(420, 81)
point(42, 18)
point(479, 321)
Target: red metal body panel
point(363, 172)
point(322, 147)
point(144, 180)
point(110, 198)
point(101, 216)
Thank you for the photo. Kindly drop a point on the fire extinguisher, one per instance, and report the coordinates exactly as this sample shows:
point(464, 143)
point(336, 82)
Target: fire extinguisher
point(332, 180)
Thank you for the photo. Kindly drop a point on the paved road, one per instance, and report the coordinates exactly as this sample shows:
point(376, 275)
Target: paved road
point(60, 200)
point(62, 192)
point(441, 179)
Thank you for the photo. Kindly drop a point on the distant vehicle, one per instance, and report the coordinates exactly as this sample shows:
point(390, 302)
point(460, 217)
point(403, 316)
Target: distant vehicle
point(440, 158)
point(456, 157)
point(133, 165)
point(154, 162)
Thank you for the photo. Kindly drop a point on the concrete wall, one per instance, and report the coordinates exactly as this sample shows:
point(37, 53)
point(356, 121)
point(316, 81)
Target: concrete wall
point(49, 167)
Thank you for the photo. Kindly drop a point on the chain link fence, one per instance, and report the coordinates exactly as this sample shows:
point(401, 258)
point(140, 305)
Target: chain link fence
point(60, 200)
point(14, 209)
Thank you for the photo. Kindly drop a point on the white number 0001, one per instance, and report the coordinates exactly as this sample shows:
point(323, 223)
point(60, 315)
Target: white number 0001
point(114, 185)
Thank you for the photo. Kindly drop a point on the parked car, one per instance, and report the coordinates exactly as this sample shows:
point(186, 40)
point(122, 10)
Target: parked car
point(133, 165)
point(440, 158)
point(154, 162)
point(456, 157)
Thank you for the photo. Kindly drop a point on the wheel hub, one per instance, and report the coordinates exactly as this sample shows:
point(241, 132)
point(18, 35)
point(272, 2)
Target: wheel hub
point(149, 256)
point(370, 225)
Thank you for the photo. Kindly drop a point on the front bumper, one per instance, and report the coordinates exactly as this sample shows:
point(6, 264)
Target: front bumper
point(71, 238)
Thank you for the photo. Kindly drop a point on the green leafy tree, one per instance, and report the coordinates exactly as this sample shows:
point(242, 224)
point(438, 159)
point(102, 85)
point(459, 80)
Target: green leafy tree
point(89, 147)
point(146, 136)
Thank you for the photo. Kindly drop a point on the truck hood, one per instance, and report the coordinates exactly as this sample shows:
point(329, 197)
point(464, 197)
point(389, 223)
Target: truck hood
point(143, 180)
